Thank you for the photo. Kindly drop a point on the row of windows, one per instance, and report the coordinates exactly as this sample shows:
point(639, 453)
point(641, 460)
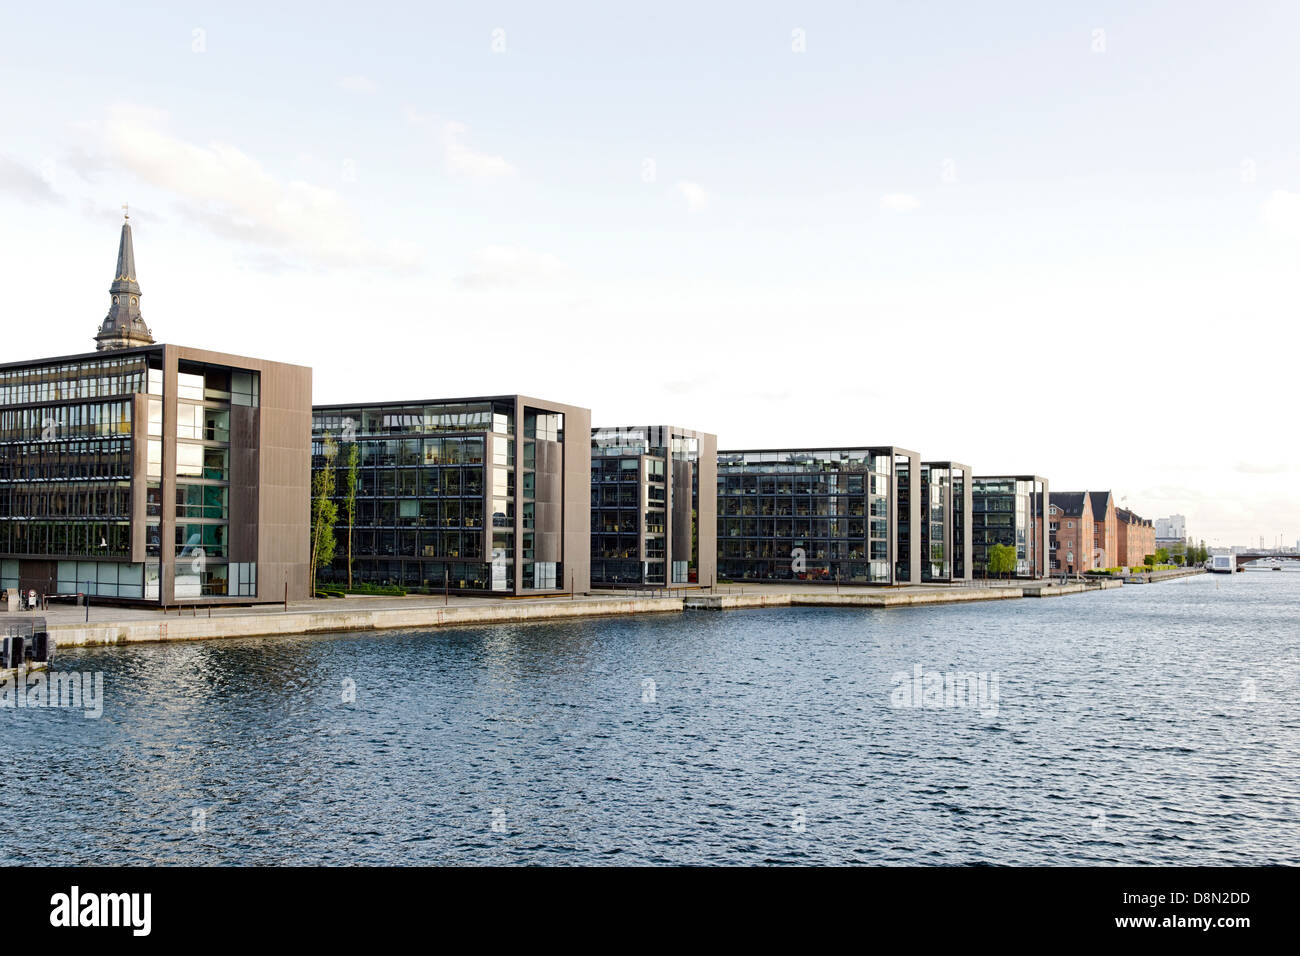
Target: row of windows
point(983, 537)
point(612, 522)
point(367, 542)
point(847, 572)
point(803, 549)
point(427, 544)
point(70, 537)
point(426, 512)
point(457, 575)
point(625, 546)
point(408, 452)
point(997, 503)
point(832, 506)
point(60, 422)
point(67, 501)
point(624, 571)
point(419, 483)
point(1005, 486)
point(430, 576)
point(66, 461)
point(109, 501)
point(626, 469)
point(995, 521)
point(803, 485)
point(848, 460)
point(96, 378)
point(618, 469)
point(802, 528)
point(118, 579)
point(616, 497)
point(346, 424)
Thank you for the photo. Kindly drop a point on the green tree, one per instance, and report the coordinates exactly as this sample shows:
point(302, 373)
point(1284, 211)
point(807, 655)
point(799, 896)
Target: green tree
point(324, 512)
point(351, 463)
point(1002, 559)
point(1178, 552)
point(1162, 556)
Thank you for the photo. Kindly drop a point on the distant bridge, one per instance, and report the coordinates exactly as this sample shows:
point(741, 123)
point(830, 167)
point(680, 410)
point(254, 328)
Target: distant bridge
point(1245, 557)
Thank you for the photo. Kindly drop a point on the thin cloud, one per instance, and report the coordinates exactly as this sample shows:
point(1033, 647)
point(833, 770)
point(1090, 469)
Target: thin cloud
point(87, 165)
point(509, 267)
point(695, 195)
point(899, 202)
point(414, 117)
point(235, 196)
point(1252, 468)
point(460, 160)
point(27, 184)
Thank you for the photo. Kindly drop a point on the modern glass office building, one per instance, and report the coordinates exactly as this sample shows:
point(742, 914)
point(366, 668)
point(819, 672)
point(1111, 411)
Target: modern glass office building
point(945, 522)
point(486, 494)
point(650, 527)
point(820, 515)
point(153, 473)
point(1010, 510)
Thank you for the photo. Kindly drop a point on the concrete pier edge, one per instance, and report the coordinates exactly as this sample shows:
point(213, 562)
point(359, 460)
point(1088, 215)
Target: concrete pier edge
point(278, 623)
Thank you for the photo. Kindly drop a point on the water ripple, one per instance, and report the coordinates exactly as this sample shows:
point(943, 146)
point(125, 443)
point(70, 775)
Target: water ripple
point(1145, 725)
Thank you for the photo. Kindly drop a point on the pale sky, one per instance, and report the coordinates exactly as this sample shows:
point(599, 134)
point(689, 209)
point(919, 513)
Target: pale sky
point(992, 233)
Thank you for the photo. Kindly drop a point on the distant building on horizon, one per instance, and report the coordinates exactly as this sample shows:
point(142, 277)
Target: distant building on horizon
point(1171, 532)
point(1173, 527)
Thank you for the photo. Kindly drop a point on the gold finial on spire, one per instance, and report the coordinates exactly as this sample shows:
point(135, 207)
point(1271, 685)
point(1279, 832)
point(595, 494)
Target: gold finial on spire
point(126, 212)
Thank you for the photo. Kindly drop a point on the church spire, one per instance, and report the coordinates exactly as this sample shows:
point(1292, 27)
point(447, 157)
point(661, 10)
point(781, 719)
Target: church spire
point(124, 327)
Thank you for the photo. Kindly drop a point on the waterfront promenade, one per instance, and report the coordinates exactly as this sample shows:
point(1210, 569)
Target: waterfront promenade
point(120, 625)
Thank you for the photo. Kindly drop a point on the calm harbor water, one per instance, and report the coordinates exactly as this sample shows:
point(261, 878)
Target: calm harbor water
point(1151, 724)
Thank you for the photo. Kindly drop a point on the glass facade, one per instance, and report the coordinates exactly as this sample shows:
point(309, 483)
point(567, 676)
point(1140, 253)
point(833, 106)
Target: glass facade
point(449, 495)
point(961, 523)
point(79, 378)
point(202, 481)
point(936, 560)
point(66, 456)
point(1009, 510)
point(645, 492)
point(68, 475)
point(109, 579)
point(903, 519)
point(819, 515)
point(944, 522)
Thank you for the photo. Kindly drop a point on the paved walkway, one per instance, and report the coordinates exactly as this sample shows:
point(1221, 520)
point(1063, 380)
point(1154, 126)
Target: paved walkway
point(69, 614)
